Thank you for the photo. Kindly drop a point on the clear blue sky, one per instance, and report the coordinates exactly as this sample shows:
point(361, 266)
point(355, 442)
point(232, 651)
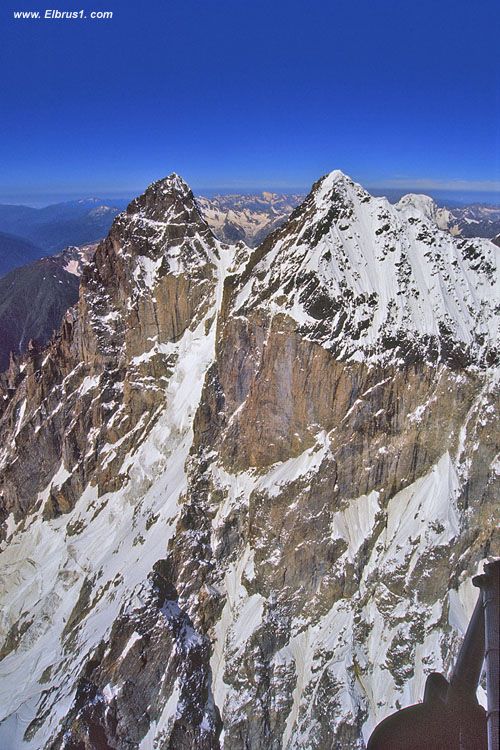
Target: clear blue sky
point(242, 94)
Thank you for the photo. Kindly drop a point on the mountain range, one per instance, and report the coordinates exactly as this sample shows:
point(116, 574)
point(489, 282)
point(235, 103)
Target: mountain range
point(54, 227)
point(250, 218)
point(15, 252)
point(243, 492)
point(233, 218)
point(34, 298)
point(247, 218)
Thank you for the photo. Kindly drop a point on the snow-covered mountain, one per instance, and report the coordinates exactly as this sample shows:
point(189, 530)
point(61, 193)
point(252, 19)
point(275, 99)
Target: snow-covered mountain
point(441, 216)
point(477, 220)
point(374, 282)
point(243, 493)
point(474, 220)
point(250, 218)
point(247, 218)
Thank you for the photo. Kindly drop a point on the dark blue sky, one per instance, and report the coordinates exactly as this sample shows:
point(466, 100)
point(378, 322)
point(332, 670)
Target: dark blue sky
point(242, 94)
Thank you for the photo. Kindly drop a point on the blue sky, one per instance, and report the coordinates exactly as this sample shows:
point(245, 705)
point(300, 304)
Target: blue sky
point(249, 94)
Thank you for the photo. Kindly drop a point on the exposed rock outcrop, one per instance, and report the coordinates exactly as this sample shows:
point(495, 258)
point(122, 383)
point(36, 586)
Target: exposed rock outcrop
point(243, 496)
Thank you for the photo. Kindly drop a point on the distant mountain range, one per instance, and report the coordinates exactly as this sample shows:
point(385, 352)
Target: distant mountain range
point(29, 233)
point(55, 227)
point(477, 220)
point(36, 286)
point(250, 218)
point(34, 298)
point(16, 251)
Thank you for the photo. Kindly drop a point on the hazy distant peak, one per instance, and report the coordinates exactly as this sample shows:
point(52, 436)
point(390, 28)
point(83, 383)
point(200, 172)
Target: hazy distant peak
point(427, 206)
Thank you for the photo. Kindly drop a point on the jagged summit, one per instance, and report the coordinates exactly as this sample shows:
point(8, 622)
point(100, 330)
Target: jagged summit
point(337, 178)
point(330, 178)
point(161, 232)
point(372, 280)
point(333, 184)
point(172, 183)
point(169, 200)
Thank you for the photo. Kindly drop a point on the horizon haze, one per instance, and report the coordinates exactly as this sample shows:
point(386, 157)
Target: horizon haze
point(251, 95)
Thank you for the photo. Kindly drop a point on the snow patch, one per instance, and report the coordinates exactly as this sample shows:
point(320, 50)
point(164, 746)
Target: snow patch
point(355, 523)
point(133, 639)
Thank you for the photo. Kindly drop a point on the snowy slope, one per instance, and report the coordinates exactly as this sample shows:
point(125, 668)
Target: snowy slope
point(362, 277)
point(237, 511)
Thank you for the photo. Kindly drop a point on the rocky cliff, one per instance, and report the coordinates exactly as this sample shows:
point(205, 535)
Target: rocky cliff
point(243, 493)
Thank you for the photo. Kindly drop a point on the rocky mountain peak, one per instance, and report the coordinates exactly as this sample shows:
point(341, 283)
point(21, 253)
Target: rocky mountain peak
point(239, 508)
point(335, 177)
point(359, 274)
point(164, 199)
point(153, 278)
point(161, 233)
point(336, 185)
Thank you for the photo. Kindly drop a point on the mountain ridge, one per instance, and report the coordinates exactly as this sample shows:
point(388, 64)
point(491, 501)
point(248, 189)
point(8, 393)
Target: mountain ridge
point(54, 227)
point(218, 530)
point(16, 251)
point(35, 297)
point(386, 224)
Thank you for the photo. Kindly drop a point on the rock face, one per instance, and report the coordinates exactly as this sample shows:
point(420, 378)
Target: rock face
point(243, 494)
